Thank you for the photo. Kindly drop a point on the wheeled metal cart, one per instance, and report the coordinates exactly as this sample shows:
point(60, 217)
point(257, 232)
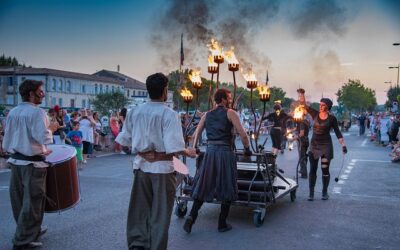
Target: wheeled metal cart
point(260, 184)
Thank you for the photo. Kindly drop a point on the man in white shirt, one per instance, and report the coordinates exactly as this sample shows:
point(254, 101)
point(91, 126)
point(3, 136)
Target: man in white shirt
point(27, 132)
point(154, 132)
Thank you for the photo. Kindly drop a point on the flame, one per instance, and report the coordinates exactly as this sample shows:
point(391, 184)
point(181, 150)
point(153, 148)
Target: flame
point(263, 90)
point(298, 112)
point(249, 76)
point(230, 56)
point(211, 62)
point(215, 49)
point(186, 93)
point(194, 76)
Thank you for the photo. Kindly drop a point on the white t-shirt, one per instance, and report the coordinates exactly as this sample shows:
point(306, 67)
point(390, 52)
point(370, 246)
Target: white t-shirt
point(87, 130)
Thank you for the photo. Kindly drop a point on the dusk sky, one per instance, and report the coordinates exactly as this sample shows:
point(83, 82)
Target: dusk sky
point(318, 45)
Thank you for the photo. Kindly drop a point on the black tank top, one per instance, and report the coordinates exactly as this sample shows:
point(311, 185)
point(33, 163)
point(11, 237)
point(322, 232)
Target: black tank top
point(218, 126)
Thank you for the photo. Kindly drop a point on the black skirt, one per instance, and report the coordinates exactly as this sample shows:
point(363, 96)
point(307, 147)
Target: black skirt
point(217, 175)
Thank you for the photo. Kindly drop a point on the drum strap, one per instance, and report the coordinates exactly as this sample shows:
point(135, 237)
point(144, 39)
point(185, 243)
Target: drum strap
point(19, 156)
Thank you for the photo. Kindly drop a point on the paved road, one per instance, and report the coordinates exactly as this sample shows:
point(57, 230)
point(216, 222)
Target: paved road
point(362, 213)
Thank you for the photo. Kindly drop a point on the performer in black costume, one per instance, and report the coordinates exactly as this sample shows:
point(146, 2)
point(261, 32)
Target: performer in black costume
point(321, 145)
point(279, 118)
point(217, 174)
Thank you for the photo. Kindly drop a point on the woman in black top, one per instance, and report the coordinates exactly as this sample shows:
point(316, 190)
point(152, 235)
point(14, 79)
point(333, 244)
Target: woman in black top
point(321, 145)
point(279, 118)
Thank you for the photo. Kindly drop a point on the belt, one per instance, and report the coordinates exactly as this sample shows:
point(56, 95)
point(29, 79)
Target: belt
point(218, 143)
point(19, 156)
point(153, 156)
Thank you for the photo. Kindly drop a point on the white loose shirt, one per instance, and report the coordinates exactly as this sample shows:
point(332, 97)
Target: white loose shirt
point(85, 126)
point(26, 132)
point(152, 126)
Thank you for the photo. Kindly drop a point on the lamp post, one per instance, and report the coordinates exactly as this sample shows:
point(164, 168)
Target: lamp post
point(389, 83)
point(398, 67)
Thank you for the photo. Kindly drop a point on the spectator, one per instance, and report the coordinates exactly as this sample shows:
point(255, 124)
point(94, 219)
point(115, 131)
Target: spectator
point(86, 127)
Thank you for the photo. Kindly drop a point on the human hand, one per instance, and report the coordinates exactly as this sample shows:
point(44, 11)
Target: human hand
point(190, 152)
point(344, 149)
point(47, 152)
point(247, 151)
point(53, 126)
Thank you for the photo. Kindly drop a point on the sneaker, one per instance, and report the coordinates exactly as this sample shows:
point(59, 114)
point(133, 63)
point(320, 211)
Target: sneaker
point(325, 197)
point(84, 161)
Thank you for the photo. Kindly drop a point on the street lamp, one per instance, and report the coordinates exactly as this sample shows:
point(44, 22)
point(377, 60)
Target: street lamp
point(394, 67)
point(389, 83)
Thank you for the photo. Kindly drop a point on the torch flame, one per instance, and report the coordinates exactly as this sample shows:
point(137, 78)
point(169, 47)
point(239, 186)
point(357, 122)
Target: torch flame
point(194, 76)
point(249, 76)
point(215, 49)
point(263, 90)
point(185, 93)
point(230, 56)
point(211, 62)
point(298, 113)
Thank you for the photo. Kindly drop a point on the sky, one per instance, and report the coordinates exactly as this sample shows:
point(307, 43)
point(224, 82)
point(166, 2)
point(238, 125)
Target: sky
point(317, 45)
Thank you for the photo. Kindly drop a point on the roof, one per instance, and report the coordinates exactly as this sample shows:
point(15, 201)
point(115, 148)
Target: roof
point(128, 82)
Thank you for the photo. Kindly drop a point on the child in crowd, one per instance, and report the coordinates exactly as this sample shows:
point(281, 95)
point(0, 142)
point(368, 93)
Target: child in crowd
point(75, 139)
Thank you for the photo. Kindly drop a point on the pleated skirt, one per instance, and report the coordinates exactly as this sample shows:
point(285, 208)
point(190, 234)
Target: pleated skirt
point(216, 177)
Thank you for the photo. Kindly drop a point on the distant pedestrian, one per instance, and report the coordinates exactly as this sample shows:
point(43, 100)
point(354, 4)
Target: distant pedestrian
point(361, 123)
point(75, 139)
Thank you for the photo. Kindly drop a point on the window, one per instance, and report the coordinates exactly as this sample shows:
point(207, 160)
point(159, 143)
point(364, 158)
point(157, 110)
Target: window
point(69, 86)
point(60, 86)
point(53, 101)
point(118, 89)
point(10, 100)
point(106, 88)
point(60, 102)
point(101, 88)
point(72, 103)
point(96, 89)
point(83, 103)
point(83, 88)
point(54, 88)
point(112, 89)
point(10, 82)
point(133, 93)
point(127, 93)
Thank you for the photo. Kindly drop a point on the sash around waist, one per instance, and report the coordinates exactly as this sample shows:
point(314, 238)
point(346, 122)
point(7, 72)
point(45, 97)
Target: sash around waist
point(19, 156)
point(153, 156)
point(218, 143)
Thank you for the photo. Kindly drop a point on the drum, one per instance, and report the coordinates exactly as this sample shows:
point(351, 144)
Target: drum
point(62, 186)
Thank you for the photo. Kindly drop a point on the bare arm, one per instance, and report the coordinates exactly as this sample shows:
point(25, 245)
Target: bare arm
point(199, 130)
point(234, 118)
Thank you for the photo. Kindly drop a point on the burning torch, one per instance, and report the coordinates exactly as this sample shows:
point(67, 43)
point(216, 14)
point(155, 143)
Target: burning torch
point(195, 78)
point(212, 69)
point(217, 54)
point(233, 65)
point(251, 83)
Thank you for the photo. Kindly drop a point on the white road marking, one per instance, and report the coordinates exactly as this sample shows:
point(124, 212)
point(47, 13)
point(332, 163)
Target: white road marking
point(337, 190)
point(344, 176)
point(4, 188)
point(347, 171)
point(352, 163)
point(364, 143)
point(341, 182)
point(353, 160)
point(350, 167)
point(98, 156)
point(372, 160)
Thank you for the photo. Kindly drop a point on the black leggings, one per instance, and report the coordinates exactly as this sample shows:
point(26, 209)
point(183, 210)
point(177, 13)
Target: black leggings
point(225, 206)
point(313, 171)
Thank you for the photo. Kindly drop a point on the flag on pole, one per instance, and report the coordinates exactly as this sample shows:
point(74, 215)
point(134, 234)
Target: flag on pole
point(267, 80)
point(182, 55)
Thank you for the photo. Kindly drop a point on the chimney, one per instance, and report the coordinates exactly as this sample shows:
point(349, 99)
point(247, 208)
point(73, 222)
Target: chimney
point(118, 68)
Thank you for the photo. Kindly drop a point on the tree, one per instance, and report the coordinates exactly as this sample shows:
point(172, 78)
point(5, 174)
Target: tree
point(356, 97)
point(9, 61)
point(392, 95)
point(112, 101)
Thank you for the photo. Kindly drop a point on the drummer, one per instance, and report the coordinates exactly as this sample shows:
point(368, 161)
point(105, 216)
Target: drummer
point(27, 132)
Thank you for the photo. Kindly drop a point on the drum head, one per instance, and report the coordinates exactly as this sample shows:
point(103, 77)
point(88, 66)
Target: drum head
point(60, 153)
point(180, 167)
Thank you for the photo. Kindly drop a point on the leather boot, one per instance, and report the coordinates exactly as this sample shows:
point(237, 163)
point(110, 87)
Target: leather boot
point(325, 184)
point(312, 179)
point(191, 219)
point(222, 225)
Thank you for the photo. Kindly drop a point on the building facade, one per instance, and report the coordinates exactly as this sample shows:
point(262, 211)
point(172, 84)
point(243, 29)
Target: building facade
point(66, 89)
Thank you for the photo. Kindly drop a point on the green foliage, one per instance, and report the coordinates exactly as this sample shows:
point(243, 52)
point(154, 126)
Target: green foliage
point(9, 61)
point(356, 97)
point(113, 101)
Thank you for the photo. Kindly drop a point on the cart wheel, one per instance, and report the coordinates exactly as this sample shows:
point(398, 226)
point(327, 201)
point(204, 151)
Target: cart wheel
point(293, 195)
point(181, 209)
point(258, 218)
